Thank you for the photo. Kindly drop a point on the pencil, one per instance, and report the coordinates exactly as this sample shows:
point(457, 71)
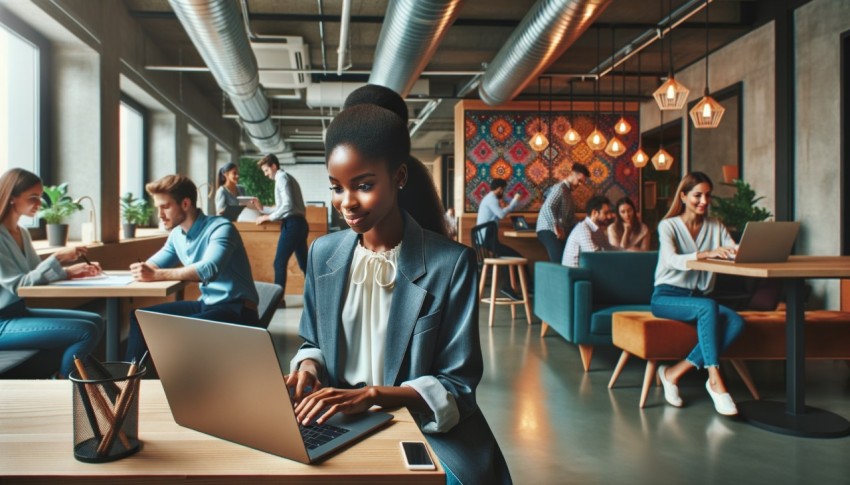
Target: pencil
point(121, 409)
point(100, 400)
point(86, 400)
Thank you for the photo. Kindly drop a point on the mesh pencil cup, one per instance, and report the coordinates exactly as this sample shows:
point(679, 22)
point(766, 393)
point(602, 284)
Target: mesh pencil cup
point(106, 411)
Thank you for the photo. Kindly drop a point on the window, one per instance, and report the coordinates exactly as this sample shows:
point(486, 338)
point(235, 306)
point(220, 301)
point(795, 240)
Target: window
point(23, 98)
point(133, 146)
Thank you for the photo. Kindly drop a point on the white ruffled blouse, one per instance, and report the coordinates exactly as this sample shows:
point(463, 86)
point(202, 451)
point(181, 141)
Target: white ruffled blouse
point(366, 312)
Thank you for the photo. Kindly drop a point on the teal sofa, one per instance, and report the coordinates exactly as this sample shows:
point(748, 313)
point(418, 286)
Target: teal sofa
point(578, 302)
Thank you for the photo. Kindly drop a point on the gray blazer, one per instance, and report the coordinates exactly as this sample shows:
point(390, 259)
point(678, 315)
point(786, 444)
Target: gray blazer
point(432, 331)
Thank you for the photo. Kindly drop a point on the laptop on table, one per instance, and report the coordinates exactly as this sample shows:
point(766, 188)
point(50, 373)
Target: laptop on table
point(521, 224)
point(225, 380)
point(765, 242)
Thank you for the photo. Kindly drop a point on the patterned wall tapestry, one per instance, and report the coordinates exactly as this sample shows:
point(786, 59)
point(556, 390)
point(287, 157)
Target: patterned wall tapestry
point(496, 145)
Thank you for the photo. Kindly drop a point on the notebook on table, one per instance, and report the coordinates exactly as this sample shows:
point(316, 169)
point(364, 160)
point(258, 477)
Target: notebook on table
point(230, 385)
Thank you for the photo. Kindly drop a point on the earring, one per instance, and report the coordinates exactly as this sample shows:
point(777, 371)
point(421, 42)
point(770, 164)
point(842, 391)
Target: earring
point(400, 187)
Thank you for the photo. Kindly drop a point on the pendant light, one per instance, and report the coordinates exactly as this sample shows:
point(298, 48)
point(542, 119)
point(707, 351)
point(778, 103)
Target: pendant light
point(571, 137)
point(672, 95)
point(615, 146)
point(622, 127)
point(596, 140)
point(662, 160)
point(640, 158)
point(708, 112)
point(539, 142)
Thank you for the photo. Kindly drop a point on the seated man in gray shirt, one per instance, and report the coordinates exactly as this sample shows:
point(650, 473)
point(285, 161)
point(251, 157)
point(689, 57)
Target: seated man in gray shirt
point(289, 209)
point(591, 234)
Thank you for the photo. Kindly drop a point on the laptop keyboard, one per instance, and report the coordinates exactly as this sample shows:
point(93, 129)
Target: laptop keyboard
point(316, 435)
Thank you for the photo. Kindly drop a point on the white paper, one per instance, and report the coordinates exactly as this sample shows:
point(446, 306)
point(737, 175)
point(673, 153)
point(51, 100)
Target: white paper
point(100, 280)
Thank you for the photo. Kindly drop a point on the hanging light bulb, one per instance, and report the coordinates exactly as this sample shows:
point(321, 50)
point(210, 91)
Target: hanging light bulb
point(615, 147)
point(622, 127)
point(571, 137)
point(708, 112)
point(662, 160)
point(640, 158)
point(539, 142)
point(596, 140)
point(672, 95)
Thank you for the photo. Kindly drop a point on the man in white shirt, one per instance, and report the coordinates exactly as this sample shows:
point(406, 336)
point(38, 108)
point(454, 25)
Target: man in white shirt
point(290, 211)
point(591, 234)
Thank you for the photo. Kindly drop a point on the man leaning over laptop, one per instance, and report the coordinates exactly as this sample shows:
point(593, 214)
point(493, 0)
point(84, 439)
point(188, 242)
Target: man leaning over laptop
point(211, 252)
point(490, 209)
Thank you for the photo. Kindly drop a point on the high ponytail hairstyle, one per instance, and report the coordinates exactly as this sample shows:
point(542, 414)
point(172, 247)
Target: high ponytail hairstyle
point(223, 170)
point(381, 135)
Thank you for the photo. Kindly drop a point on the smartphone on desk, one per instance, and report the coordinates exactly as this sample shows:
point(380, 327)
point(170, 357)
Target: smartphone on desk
point(416, 456)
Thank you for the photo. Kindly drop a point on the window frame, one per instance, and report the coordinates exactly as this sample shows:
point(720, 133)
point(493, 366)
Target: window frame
point(145, 114)
point(45, 94)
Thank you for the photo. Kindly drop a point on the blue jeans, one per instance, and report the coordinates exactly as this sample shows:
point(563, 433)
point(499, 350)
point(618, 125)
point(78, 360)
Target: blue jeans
point(717, 325)
point(23, 328)
point(224, 312)
point(554, 246)
point(293, 239)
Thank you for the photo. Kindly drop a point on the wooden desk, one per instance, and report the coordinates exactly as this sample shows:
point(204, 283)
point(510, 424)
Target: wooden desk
point(792, 417)
point(113, 296)
point(261, 244)
point(36, 446)
point(521, 234)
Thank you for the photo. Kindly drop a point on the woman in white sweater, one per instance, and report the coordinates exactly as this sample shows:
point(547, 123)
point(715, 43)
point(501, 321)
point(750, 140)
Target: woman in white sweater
point(686, 234)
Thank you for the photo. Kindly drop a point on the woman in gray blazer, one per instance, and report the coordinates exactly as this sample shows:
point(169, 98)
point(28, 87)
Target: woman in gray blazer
point(23, 328)
point(391, 307)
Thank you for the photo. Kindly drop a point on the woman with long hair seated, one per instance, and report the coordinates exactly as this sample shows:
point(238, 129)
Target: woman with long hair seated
point(628, 232)
point(23, 328)
point(391, 306)
point(685, 234)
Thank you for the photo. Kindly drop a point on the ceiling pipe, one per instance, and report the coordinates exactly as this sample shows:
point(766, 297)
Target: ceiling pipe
point(222, 41)
point(549, 29)
point(343, 36)
point(411, 33)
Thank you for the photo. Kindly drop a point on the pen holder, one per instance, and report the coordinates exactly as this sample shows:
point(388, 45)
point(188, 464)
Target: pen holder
point(106, 412)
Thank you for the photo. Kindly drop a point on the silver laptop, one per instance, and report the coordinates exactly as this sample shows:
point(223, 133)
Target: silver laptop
point(225, 380)
point(765, 242)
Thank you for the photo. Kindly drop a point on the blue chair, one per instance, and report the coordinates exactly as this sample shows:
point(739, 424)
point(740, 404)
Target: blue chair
point(578, 302)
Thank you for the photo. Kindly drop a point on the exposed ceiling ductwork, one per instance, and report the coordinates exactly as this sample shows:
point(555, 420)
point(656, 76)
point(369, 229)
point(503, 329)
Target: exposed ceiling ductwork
point(411, 33)
point(548, 29)
point(220, 37)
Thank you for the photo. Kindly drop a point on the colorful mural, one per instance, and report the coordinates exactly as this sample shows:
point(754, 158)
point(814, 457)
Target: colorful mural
point(496, 145)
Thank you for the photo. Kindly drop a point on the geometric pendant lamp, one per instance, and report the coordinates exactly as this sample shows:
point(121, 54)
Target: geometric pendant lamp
point(538, 141)
point(672, 95)
point(708, 112)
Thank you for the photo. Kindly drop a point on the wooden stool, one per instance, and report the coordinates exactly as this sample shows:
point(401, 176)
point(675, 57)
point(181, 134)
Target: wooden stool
point(513, 264)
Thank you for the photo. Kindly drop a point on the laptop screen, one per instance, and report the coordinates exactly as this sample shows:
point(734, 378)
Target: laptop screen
point(520, 224)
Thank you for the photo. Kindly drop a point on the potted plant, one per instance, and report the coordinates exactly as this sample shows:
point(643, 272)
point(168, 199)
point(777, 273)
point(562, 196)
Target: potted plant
point(739, 209)
point(57, 206)
point(136, 212)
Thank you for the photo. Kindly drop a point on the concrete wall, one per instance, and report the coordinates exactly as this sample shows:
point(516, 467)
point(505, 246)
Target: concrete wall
point(727, 66)
point(819, 26)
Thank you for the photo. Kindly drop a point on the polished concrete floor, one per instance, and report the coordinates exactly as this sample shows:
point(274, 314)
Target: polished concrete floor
point(557, 424)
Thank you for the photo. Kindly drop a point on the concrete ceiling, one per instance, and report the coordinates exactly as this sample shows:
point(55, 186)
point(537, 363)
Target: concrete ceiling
point(473, 40)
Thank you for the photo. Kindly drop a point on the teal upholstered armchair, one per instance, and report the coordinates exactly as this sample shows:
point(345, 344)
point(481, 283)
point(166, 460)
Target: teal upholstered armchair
point(578, 302)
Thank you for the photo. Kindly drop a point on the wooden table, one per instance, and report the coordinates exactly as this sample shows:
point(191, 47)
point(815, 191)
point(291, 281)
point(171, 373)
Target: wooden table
point(521, 234)
point(36, 446)
point(793, 416)
point(113, 296)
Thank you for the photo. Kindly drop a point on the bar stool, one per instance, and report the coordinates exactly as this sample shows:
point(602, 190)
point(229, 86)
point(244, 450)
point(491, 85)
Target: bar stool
point(515, 265)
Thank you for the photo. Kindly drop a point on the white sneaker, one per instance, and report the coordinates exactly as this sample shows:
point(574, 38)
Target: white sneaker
point(671, 391)
point(723, 402)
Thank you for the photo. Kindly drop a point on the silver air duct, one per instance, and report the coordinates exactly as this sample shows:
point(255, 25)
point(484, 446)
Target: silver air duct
point(549, 29)
point(220, 37)
point(411, 33)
